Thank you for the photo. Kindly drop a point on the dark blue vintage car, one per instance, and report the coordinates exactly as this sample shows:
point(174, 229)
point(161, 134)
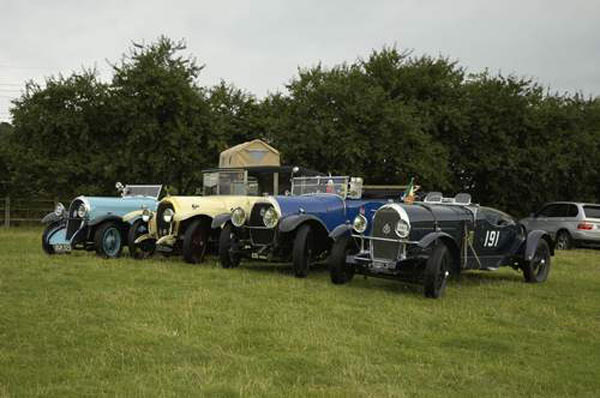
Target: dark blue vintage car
point(296, 227)
point(99, 223)
point(426, 242)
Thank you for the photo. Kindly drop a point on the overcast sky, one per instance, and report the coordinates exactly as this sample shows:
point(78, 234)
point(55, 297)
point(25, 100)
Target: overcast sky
point(258, 45)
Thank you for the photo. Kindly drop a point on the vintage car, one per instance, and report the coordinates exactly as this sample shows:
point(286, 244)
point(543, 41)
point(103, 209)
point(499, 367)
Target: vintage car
point(426, 242)
point(295, 227)
point(184, 223)
point(98, 223)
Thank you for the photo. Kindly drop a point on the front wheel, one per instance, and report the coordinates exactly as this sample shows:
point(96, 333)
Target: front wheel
point(50, 228)
point(195, 242)
point(227, 248)
point(437, 271)
point(108, 240)
point(143, 249)
point(302, 254)
point(339, 271)
point(537, 269)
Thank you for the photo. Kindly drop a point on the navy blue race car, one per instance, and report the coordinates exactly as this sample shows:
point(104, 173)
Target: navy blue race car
point(296, 227)
point(428, 241)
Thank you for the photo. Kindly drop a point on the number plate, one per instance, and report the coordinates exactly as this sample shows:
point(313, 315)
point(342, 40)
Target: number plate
point(62, 248)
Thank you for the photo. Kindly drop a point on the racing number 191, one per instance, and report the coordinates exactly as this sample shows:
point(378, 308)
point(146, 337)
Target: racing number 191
point(491, 239)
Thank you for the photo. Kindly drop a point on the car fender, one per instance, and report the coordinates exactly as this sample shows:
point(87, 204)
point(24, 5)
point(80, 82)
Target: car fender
point(448, 240)
point(290, 223)
point(220, 220)
point(428, 239)
point(104, 218)
point(51, 218)
point(132, 217)
point(341, 231)
point(533, 239)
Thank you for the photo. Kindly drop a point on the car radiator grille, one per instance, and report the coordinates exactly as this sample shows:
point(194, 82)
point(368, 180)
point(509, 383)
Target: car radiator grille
point(260, 236)
point(162, 227)
point(73, 222)
point(384, 226)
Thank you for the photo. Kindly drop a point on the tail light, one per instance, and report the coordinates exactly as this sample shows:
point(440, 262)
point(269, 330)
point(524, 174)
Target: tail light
point(586, 226)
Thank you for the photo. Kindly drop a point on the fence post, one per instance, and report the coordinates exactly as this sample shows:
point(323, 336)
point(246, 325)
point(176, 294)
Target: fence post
point(7, 212)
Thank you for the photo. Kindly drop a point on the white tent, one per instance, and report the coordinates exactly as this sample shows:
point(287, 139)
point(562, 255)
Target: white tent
point(251, 153)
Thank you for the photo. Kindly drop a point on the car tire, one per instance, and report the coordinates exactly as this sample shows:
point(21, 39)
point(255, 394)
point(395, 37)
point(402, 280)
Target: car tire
point(46, 246)
point(227, 255)
point(143, 249)
point(538, 269)
point(302, 252)
point(563, 241)
point(437, 270)
point(195, 242)
point(108, 240)
point(339, 271)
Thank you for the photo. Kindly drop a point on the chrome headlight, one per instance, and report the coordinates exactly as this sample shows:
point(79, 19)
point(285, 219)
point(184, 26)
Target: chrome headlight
point(146, 215)
point(402, 229)
point(168, 215)
point(82, 211)
point(238, 217)
point(360, 223)
point(59, 209)
point(270, 218)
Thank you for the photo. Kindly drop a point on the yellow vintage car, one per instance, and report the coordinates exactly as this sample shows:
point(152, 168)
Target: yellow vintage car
point(191, 224)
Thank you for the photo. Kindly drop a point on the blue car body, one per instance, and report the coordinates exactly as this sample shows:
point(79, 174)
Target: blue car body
point(313, 216)
point(72, 228)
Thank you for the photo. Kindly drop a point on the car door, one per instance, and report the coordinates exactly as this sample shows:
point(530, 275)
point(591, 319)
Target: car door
point(494, 237)
point(546, 217)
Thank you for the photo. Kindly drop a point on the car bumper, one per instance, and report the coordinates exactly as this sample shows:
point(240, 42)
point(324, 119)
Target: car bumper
point(591, 237)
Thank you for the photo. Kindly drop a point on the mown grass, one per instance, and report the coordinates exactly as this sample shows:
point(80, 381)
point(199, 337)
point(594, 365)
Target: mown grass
point(77, 325)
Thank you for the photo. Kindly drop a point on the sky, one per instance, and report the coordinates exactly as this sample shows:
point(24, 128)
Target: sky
point(259, 45)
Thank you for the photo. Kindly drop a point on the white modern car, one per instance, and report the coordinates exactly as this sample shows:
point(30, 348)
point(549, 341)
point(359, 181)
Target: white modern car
point(569, 223)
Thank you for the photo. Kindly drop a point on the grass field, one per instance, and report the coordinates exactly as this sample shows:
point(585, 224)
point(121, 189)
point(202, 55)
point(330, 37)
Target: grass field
point(77, 325)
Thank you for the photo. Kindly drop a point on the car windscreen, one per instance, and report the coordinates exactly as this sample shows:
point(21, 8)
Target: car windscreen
point(592, 211)
point(228, 182)
point(320, 184)
point(152, 191)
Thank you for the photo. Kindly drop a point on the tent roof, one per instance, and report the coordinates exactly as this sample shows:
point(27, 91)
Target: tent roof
point(251, 153)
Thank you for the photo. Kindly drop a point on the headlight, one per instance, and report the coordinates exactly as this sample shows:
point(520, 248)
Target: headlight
point(402, 229)
point(270, 217)
point(146, 215)
point(168, 215)
point(81, 211)
point(360, 223)
point(59, 209)
point(238, 217)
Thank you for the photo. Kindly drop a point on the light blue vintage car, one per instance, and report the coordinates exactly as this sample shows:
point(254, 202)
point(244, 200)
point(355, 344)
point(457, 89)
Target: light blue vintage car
point(98, 223)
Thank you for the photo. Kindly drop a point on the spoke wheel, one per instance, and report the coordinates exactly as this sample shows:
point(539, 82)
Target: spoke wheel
point(195, 242)
point(143, 249)
point(228, 247)
point(563, 241)
point(303, 251)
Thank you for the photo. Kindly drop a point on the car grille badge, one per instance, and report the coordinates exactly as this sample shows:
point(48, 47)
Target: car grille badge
point(387, 228)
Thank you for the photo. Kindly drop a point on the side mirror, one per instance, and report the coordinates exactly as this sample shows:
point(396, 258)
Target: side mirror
point(295, 170)
point(119, 186)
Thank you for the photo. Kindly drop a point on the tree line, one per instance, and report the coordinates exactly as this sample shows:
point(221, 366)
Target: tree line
point(391, 116)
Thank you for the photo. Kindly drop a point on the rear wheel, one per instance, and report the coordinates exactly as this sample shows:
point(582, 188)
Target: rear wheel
point(227, 247)
point(108, 241)
point(195, 242)
point(143, 249)
point(563, 241)
point(437, 270)
point(302, 254)
point(537, 270)
point(339, 271)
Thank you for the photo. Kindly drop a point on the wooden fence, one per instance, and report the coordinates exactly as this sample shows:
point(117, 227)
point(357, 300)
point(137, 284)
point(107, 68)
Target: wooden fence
point(20, 211)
